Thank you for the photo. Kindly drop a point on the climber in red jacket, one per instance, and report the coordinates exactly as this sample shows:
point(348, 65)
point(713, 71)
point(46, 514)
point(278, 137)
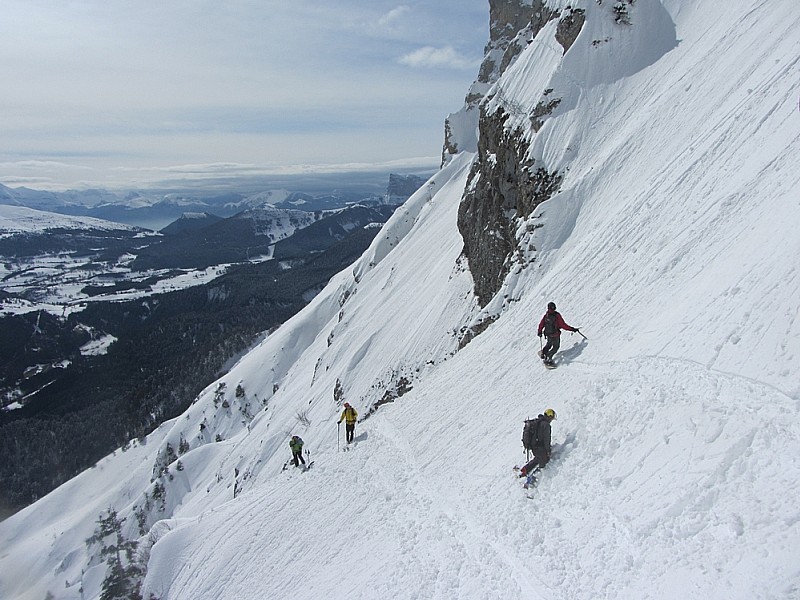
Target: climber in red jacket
point(551, 325)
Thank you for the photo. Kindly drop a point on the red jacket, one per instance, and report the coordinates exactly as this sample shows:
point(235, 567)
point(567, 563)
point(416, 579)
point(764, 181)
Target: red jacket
point(560, 324)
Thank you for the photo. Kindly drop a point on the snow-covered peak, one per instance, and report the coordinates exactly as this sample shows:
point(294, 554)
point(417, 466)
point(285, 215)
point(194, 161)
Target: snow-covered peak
point(269, 197)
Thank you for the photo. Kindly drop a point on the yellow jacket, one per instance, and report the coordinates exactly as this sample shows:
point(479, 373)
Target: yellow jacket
point(349, 415)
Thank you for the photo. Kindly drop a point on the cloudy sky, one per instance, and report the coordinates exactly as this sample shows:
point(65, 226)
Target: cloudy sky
point(126, 93)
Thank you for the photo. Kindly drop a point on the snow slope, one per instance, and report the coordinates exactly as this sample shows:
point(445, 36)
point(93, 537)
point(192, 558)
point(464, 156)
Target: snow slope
point(672, 244)
point(19, 219)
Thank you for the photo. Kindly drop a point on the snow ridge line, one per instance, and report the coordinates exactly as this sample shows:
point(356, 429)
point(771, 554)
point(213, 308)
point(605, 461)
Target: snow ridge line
point(728, 375)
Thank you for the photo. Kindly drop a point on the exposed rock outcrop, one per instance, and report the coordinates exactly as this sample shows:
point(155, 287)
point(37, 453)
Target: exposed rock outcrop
point(504, 185)
point(543, 109)
point(569, 26)
point(512, 23)
point(401, 187)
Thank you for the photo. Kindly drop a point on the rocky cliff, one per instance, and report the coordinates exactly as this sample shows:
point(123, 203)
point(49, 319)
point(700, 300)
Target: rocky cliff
point(510, 178)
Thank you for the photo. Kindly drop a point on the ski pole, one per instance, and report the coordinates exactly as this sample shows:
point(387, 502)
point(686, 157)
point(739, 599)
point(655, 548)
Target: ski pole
point(338, 430)
point(580, 334)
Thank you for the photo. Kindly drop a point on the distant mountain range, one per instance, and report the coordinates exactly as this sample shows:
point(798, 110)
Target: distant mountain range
point(154, 210)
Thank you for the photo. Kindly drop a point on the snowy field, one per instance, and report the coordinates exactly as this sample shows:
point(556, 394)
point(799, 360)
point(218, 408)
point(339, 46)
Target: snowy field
point(55, 283)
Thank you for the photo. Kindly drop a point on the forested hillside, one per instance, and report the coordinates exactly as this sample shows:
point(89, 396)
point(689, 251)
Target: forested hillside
point(168, 348)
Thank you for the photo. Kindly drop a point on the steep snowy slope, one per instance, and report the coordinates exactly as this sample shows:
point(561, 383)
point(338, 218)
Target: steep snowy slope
point(671, 244)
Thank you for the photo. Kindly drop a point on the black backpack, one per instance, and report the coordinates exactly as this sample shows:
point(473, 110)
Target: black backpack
point(551, 323)
point(530, 433)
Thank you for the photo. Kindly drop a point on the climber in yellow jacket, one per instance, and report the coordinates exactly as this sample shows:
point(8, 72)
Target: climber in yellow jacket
point(349, 416)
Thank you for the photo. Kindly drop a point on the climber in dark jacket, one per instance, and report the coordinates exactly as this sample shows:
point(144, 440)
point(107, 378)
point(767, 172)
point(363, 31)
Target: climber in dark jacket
point(296, 444)
point(541, 448)
point(551, 325)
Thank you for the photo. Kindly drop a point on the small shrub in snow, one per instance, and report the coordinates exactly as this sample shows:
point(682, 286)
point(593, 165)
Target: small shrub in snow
point(159, 491)
point(621, 14)
point(141, 518)
point(302, 418)
point(169, 453)
point(338, 393)
point(219, 394)
point(125, 572)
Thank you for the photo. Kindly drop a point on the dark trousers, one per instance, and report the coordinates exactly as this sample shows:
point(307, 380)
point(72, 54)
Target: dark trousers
point(551, 347)
point(539, 460)
point(349, 430)
point(297, 455)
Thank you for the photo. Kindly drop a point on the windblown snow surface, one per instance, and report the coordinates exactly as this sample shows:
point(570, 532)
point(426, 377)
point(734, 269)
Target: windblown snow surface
point(673, 244)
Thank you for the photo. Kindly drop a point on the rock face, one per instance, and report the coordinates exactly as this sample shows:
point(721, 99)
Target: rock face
point(569, 26)
point(402, 187)
point(505, 183)
point(511, 25)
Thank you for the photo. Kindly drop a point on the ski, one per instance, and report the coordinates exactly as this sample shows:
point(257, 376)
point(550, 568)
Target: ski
point(527, 488)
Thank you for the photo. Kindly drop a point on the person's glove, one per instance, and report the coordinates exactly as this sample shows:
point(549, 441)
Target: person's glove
point(539, 334)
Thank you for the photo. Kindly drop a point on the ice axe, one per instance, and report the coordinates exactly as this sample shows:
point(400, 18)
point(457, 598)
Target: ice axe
point(578, 331)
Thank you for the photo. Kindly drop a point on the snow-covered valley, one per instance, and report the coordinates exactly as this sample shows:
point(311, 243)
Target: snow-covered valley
point(671, 243)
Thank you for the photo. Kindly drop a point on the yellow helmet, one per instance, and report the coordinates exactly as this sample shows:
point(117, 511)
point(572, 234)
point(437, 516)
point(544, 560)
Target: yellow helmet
point(550, 413)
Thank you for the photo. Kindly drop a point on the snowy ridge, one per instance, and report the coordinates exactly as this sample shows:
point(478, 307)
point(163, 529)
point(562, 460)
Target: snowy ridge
point(18, 219)
point(266, 199)
point(671, 244)
point(277, 223)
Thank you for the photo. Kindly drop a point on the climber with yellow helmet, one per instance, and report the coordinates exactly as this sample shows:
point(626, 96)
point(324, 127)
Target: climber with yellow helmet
point(536, 438)
point(349, 416)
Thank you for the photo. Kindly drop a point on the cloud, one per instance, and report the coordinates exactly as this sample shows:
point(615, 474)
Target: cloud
point(246, 177)
point(393, 15)
point(93, 85)
point(437, 58)
point(33, 165)
point(12, 181)
point(206, 170)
